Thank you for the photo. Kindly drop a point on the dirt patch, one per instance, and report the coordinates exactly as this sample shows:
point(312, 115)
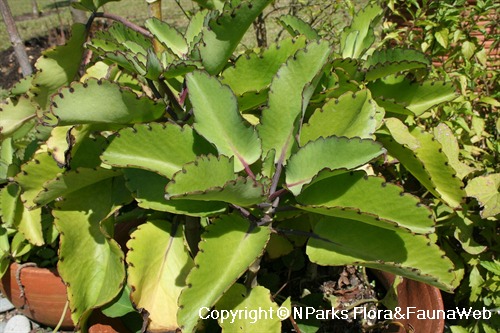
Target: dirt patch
point(10, 72)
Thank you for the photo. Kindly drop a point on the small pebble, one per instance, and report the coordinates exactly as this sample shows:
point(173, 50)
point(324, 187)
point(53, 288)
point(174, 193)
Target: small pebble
point(18, 324)
point(5, 305)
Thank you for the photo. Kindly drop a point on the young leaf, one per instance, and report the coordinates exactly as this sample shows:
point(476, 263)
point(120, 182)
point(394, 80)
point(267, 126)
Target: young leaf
point(295, 26)
point(168, 36)
point(422, 156)
point(102, 102)
point(243, 244)
point(58, 67)
point(255, 71)
point(416, 97)
point(359, 36)
point(239, 299)
point(290, 92)
point(345, 196)
point(13, 114)
point(169, 147)
point(148, 188)
point(486, 190)
point(242, 191)
point(328, 153)
point(225, 31)
point(349, 242)
point(202, 174)
point(382, 63)
point(352, 114)
point(217, 119)
point(158, 277)
point(87, 250)
point(448, 141)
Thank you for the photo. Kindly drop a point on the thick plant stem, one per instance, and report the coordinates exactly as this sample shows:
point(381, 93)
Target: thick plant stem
point(15, 39)
point(154, 7)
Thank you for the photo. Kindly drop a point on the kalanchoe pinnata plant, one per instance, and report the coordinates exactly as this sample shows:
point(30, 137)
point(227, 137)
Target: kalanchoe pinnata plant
point(223, 159)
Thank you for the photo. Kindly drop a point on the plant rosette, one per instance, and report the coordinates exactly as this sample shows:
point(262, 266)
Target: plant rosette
point(231, 163)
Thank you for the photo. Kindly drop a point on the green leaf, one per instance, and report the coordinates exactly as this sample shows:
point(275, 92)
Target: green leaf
point(58, 67)
point(382, 63)
point(224, 32)
point(348, 242)
point(206, 172)
point(290, 92)
point(296, 26)
point(359, 36)
point(331, 153)
point(217, 119)
point(468, 49)
point(170, 146)
point(90, 262)
point(352, 114)
point(357, 196)
point(492, 266)
point(72, 181)
point(442, 37)
point(9, 198)
point(238, 299)
point(243, 244)
point(34, 174)
point(168, 36)
point(255, 71)
point(423, 157)
point(148, 188)
point(102, 102)
point(158, 277)
point(120, 306)
point(449, 143)
point(29, 224)
point(486, 190)
point(242, 191)
point(13, 114)
point(416, 97)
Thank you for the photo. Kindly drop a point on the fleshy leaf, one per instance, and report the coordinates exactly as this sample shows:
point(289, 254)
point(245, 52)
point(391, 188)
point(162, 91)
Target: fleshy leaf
point(382, 63)
point(423, 157)
point(345, 196)
point(169, 147)
point(241, 191)
point(255, 71)
point(102, 102)
point(243, 244)
point(13, 114)
point(217, 118)
point(328, 153)
point(29, 223)
point(34, 174)
point(148, 188)
point(202, 174)
point(448, 141)
point(486, 190)
point(72, 181)
point(168, 36)
point(290, 92)
point(359, 36)
point(58, 67)
point(295, 26)
point(225, 31)
point(158, 277)
point(86, 249)
point(352, 114)
point(239, 299)
point(349, 242)
point(416, 97)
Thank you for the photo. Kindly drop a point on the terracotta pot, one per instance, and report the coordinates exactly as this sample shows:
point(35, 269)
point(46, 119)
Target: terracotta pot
point(44, 294)
point(418, 295)
point(99, 323)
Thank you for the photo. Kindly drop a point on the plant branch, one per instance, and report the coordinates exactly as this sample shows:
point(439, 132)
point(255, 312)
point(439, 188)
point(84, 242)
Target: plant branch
point(125, 22)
